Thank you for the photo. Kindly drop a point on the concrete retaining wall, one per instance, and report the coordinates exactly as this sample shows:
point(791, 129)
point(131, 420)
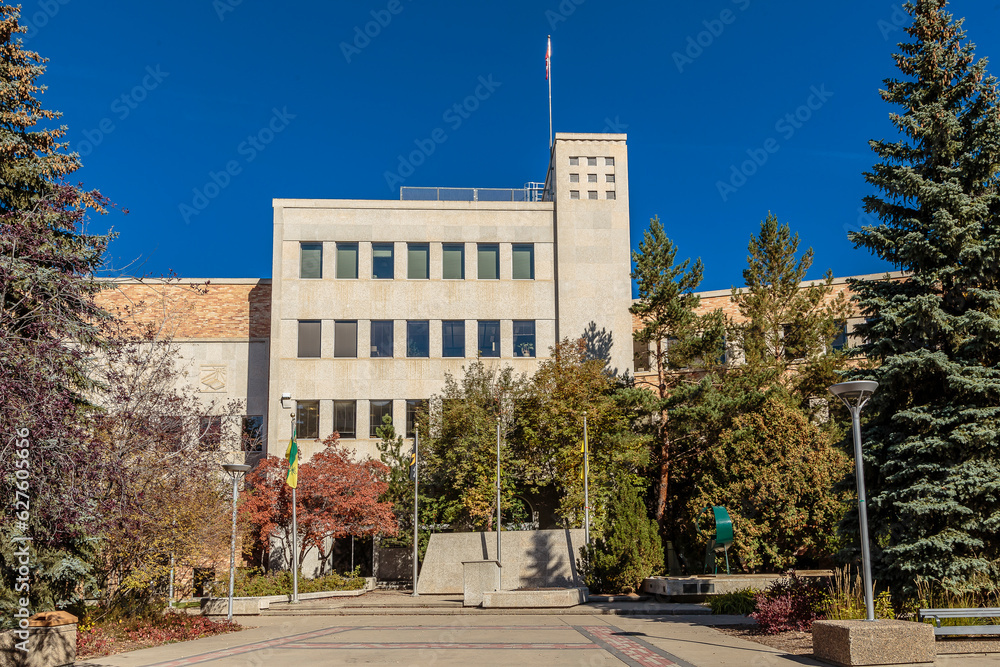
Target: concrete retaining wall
point(529, 559)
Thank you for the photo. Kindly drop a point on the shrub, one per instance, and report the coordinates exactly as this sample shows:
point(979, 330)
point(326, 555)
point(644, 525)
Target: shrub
point(741, 602)
point(630, 550)
point(102, 639)
point(788, 604)
point(251, 582)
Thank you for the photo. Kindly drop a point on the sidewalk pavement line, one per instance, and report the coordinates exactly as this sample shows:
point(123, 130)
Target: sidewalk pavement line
point(393, 646)
point(629, 648)
point(246, 648)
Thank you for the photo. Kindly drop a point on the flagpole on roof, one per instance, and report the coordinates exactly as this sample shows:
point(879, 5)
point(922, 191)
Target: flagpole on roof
point(548, 75)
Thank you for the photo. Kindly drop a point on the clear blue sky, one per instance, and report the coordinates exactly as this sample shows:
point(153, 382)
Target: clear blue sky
point(159, 95)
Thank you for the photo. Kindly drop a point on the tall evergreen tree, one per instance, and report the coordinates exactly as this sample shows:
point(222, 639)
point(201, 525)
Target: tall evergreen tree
point(785, 323)
point(666, 307)
point(932, 436)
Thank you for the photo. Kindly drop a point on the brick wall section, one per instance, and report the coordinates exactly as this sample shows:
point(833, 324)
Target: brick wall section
point(729, 308)
point(187, 310)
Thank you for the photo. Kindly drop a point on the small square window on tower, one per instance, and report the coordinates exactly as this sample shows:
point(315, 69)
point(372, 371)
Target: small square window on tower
point(610, 194)
point(574, 161)
point(592, 162)
point(574, 178)
point(591, 178)
point(609, 178)
point(574, 194)
point(609, 161)
point(592, 194)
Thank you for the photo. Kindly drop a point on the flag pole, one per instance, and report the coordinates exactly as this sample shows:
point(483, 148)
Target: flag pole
point(416, 500)
point(295, 532)
point(586, 483)
point(548, 75)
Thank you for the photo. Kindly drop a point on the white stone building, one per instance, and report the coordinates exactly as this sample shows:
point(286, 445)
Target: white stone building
point(372, 302)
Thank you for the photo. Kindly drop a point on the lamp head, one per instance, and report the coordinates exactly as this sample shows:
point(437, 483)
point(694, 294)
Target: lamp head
point(854, 393)
point(236, 468)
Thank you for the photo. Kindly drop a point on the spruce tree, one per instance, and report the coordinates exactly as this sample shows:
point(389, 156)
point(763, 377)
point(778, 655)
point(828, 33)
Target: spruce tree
point(931, 435)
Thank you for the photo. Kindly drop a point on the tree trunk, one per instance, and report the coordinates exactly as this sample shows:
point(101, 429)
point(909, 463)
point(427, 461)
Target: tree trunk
point(661, 496)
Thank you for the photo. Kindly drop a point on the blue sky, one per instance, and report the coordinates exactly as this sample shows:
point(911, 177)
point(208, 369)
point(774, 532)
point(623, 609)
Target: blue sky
point(195, 114)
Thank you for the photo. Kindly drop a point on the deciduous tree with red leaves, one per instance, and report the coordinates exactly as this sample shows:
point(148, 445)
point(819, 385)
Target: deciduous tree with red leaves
point(337, 496)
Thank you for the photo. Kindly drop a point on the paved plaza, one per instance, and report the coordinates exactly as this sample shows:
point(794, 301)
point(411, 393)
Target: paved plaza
point(409, 635)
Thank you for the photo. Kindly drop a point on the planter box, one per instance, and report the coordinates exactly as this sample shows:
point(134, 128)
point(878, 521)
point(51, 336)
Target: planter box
point(51, 642)
point(558, 598)
point(882, 642)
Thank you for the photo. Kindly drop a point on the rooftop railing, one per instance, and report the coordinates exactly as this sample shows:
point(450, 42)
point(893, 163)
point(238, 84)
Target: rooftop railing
point(531, 192)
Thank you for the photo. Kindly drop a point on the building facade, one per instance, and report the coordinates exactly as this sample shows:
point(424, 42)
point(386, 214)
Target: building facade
point(373, 302)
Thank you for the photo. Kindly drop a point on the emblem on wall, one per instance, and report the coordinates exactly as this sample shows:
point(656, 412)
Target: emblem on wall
point(212, 379)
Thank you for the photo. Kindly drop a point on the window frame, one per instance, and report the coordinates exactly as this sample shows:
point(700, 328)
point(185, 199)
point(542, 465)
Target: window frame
point(487, 247)
point(445, 336)
point(416, 324)
point(252, 437)
point(338, 325)
point(344, 434)
point(453, 247)
point(426, 248)
point(381, 247)
point(312, 245)
point(345, 246)
point(371, 340)
point(522, 247)
point(481, 331)
point(318, 343)
point(306, 422)
point(413, 407)
point(372, 422)
point(533, 344)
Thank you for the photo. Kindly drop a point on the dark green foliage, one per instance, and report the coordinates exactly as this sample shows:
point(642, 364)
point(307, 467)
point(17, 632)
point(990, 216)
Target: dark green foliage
point(931, 435)
point(742, 602)
point(251, 582)
point(630, 550)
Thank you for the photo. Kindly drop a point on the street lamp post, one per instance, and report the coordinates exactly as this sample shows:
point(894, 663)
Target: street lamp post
point(235, 470)
point(855, 395)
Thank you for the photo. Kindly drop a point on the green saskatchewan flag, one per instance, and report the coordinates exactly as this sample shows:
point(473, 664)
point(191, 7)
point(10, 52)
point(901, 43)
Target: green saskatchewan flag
point(292, 454)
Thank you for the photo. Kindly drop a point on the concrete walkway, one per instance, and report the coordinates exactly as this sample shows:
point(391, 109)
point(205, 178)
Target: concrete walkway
point(430, 635)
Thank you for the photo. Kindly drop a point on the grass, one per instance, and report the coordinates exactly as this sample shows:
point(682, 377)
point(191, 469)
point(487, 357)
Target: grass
point(740, 603)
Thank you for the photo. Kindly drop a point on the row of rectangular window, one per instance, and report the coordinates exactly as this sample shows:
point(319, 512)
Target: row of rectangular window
point(209, 434)
point(591, 178)
point(418, 261)
point(591, 161)
point(592, 194)
point(345, 417)
point(345, 338)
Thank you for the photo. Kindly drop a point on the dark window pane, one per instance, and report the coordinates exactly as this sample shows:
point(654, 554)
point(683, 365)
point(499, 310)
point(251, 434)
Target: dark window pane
point(307, 420)
point(345, 418)
point(417, 261)
point(453, 338)
point(310, 335)
point(454, 261)
point(382, 262)
point(171, 433)
point(489, 338)
point(524, 262)
point(524, 338)
point(310, 260)
point(347, 260)
point(489, 261)
point(345, 339)
point(418, 343)
point(840, 342)
point(209, 433)
point(253, 433)
point(414, 408)
point(381, 338)
point(378, 410)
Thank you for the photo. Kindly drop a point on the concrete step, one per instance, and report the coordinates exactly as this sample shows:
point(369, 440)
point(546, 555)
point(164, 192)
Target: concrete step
point(592, 609)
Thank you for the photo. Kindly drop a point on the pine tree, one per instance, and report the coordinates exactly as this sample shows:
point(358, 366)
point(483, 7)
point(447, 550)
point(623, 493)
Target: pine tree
point(931, 438)
point(786, 324)
point(666, 306)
